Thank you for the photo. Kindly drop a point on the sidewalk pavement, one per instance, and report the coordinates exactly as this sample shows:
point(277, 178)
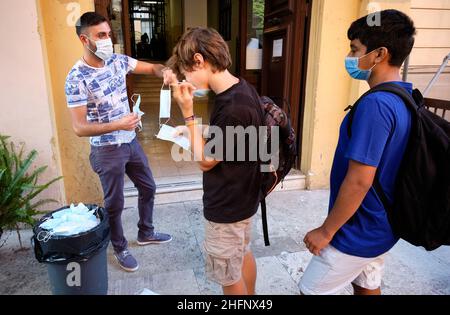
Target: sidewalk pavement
point(177, 268)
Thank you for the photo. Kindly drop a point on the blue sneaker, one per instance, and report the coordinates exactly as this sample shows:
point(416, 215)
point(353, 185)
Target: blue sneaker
point(156, 238)
point(126, 261)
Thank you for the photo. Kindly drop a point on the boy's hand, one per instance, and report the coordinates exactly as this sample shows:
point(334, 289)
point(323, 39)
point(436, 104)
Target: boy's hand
point(316, 240)
point(183, 94)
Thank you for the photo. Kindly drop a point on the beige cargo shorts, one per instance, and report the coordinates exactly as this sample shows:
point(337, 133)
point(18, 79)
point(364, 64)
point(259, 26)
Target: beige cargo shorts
point(225, 247)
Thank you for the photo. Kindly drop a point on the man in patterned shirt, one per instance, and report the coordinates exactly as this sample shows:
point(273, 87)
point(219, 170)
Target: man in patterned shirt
point(97, 98)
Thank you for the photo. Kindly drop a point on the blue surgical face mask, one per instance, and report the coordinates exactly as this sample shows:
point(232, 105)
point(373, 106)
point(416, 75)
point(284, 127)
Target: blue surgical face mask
point(353, 69)
point(137, 108)
point(201, 92)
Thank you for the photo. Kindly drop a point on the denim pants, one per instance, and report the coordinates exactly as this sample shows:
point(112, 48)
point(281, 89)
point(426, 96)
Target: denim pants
point(111, 163)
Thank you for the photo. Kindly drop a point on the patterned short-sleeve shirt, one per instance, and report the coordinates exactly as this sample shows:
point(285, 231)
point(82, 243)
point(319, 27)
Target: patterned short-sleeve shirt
point(104, 92)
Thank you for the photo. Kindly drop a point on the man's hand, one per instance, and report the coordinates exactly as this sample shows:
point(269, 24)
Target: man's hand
point(316, 240)
point(168, 76)
point(129, 122)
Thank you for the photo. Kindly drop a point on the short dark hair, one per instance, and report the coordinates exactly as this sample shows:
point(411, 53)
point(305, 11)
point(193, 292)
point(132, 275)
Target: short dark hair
point(396, 32)
point(89, 19)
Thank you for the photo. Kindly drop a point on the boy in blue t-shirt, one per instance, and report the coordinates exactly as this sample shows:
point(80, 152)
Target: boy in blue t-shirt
point(350, 245)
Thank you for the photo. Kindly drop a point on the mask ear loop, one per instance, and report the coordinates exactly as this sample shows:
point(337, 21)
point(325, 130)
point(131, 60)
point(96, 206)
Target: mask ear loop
point(366, 56)
point(375, 63)
point(44, 236)
point(132, 96)
point(168, 119)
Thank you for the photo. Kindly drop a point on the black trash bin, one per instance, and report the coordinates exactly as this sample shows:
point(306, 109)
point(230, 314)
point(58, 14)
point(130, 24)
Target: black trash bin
point(76, 264)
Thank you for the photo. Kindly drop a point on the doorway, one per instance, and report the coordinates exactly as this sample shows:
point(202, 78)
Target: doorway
point(148, 29)
point(268, 40)
point(274, 51)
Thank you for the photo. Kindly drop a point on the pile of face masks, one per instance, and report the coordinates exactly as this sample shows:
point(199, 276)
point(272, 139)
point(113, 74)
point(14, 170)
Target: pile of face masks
point(71, 221)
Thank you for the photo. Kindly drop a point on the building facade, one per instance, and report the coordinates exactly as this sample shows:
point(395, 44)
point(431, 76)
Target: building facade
point(289, 49)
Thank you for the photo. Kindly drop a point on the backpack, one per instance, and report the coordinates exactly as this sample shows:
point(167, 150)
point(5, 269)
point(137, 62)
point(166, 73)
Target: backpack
point(420, 212)
point(274, 116)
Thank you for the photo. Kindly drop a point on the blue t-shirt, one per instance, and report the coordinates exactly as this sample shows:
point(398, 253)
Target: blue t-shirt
point(380, 133)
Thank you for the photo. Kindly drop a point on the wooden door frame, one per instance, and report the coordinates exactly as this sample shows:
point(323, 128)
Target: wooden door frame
point(126, 31)
point(295, 17)
point(101, 7)
point(300, 66)
point(126, 26)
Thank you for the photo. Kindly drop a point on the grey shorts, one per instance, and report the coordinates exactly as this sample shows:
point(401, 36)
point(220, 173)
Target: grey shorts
point(225, 247)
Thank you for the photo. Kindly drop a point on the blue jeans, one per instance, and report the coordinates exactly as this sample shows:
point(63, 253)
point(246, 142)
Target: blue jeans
point(111, 163)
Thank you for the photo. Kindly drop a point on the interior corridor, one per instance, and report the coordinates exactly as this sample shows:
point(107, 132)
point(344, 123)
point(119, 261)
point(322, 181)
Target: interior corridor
point(165, 169)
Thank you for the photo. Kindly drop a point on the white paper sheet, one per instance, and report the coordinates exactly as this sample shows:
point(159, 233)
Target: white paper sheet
point(277, 48)
point(167, 133)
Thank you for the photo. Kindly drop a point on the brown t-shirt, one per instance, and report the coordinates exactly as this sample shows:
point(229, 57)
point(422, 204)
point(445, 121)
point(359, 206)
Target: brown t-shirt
point(232, 190)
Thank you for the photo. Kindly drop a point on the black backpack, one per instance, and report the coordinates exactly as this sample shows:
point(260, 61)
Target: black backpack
point(420, 212)
point(274, 116)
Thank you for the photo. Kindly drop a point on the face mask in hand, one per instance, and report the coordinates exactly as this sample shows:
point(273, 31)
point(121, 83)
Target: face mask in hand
point(137, 109)
point(165, 102)
point(104, 48)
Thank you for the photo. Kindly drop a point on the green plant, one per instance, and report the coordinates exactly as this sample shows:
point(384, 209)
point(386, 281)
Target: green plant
point(258, 11)
point(19, 187)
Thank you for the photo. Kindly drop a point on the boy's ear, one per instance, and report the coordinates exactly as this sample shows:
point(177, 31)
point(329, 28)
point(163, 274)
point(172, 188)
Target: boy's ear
point(199, 60)
point(383, 54)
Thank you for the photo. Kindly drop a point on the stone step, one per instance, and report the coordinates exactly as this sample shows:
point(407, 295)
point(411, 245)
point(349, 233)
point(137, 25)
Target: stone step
point(189, 188)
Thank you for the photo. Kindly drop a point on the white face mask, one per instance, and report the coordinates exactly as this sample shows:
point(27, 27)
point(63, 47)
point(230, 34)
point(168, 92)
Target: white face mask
point(165, 103)
point(104, 48)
